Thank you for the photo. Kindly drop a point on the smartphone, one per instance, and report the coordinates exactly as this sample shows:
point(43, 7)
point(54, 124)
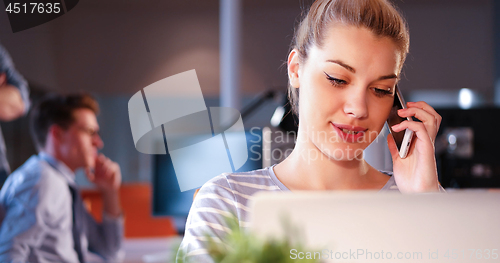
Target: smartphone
point(403, 138)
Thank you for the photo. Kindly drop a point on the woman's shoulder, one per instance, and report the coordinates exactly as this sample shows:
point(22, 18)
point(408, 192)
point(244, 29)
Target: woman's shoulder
point(229, 193)
point(225, 195)
point(243, 182)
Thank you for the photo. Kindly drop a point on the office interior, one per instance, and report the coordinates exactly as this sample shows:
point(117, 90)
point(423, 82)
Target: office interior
point(114, 48)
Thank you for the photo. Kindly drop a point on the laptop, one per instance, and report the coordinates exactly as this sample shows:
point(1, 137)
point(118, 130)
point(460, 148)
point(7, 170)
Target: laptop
point(365, 226)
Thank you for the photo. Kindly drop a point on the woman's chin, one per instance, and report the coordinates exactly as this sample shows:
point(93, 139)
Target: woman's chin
point(337, 152)
point(347, 153)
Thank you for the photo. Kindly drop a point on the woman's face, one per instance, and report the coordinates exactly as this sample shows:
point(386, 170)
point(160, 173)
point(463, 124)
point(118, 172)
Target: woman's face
point(346, 90)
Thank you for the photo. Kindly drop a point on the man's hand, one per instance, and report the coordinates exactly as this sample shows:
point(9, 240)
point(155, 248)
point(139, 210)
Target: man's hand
point(11, 102)
point(107, 178)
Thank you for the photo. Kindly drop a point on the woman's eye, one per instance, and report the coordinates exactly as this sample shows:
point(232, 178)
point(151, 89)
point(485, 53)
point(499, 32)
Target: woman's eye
point(382, 92)
point(335, 81)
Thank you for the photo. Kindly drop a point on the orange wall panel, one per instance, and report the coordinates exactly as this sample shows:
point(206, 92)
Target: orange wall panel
point(136, 205)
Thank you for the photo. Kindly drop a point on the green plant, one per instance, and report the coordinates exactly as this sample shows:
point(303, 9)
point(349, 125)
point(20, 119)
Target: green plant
point(245, 247)
point(241, 246)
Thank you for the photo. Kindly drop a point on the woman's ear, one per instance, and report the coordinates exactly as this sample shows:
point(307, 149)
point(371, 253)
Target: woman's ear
point(293, 68)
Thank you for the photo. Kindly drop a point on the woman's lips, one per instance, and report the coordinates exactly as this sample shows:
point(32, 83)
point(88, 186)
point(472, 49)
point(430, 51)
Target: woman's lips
point(349, 133)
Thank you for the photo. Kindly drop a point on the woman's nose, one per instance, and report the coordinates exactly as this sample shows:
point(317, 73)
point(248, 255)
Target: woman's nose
point(356, 104)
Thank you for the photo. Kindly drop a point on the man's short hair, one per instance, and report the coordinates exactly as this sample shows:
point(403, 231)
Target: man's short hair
point(57, 109)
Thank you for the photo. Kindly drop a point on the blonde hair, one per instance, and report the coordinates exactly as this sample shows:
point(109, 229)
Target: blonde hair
point(379, 16)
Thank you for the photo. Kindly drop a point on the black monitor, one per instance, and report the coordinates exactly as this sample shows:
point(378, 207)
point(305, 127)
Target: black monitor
point(470, 159)
point(168, 200)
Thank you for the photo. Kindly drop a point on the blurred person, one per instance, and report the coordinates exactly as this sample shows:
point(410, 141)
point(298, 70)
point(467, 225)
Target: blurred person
point(45, 219)
point(14, 103)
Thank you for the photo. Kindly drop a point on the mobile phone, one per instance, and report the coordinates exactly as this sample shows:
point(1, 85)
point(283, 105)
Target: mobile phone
point(403, 138)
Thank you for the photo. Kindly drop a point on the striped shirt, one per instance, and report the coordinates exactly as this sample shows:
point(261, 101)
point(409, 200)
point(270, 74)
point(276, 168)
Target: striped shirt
point(226, 195)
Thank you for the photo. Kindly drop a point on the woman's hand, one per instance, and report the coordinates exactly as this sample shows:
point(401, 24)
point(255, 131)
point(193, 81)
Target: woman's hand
point(417, 172)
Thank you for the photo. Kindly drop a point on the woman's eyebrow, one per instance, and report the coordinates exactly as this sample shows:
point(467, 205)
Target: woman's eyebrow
point(390, 76)
point(351, 69)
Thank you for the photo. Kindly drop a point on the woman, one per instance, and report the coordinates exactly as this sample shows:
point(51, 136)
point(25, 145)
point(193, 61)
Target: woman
point(345, 62)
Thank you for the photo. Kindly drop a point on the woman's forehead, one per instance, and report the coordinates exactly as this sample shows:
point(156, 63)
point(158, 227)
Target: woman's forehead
point(357, 47)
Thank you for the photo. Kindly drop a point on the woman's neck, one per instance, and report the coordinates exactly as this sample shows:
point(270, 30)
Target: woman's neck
point(300, 171)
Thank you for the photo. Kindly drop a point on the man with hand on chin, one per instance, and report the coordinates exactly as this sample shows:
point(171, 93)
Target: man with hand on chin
point(45, 220)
